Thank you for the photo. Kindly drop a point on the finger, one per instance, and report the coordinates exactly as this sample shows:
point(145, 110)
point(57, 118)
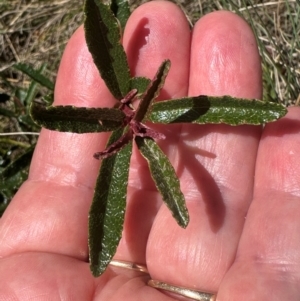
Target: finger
point(215, 163)
point(49, 213)
point(268, 259)
point(57, 277)
point(147, 31)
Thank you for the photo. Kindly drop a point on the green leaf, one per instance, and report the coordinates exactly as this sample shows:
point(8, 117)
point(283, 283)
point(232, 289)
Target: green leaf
point(104, 42)
point(107, 212)
point(12, 176)
point(35, 75)
point(121, 10)
point(10, 186)
point(152, 91)
point(18, 164)
point(77, 119)
point(49, 99)
point(139, 83)
point(7, 113)
point(165, 179)
point(208, 109)
point(115, 147)
point(28, 122)
point(32, 90)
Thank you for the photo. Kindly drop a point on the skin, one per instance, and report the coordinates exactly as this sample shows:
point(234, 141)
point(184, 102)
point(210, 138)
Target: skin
point(241, 183)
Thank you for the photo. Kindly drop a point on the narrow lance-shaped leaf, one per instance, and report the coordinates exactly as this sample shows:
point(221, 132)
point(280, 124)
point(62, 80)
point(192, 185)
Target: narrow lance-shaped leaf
point(7, 113)
point(121, 10)
point(49, 99)
point(76, 119)
point(32, 90)
point(35, 75)
point(165, 179)
point(16, 166)
point(152, 91)
point(209, 109)
point(115, 147)
point(139, 83)
point(103, 38)
point(13, 175)
point(107, 212)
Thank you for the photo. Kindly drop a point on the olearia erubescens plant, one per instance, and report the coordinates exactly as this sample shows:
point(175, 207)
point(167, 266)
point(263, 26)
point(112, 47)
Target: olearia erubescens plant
point(104, 24)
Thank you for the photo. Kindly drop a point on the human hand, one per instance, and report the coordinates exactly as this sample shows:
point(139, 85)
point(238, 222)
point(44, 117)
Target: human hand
point(227, 173)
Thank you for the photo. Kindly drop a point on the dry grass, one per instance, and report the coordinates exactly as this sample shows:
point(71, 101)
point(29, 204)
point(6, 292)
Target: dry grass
point(277, 28)
point(36, 32)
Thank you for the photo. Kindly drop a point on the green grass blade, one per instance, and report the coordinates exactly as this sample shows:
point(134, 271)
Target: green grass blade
point(7, 113)
point(208, 109)
point(76, 119)
point(12, 177)
point(32, 90)
point(103, 38)
point(18, 164)
point(49, 99)
point(107, 212)
point(35, 75)
point(165, 179)
point(121, 10)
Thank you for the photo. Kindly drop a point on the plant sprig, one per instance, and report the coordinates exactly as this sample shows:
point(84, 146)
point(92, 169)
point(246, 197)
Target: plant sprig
point(103, 35)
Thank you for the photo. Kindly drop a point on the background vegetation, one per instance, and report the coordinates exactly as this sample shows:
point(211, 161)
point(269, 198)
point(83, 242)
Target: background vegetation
point(35, 32)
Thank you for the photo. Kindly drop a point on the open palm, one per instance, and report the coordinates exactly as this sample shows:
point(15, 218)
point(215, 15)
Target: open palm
point(241, 183)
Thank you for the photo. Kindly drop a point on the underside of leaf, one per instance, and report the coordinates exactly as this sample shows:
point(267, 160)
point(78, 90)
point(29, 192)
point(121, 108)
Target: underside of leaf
point(76, 119)
point(152, 91)
point(115, 147)
point(208, 109)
